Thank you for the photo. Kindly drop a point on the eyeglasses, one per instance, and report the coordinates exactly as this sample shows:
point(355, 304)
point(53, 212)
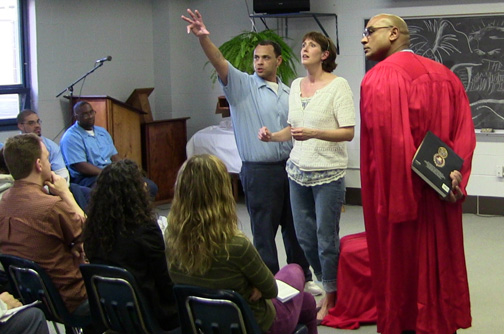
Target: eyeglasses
point(87, 114)
point(32, 123)
point(370, 30)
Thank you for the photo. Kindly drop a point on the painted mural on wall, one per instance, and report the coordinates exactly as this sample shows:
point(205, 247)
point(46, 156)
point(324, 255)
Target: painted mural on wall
point(473, 48)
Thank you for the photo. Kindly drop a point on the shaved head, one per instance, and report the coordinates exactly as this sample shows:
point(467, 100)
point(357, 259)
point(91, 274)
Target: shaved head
point(396, 21)
point(385, 35)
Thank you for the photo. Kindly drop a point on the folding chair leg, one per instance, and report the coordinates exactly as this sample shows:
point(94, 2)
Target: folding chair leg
point(73, 330)
point(55, 324)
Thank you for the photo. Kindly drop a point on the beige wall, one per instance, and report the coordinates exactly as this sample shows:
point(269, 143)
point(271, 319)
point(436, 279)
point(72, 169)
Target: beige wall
point(150, 48)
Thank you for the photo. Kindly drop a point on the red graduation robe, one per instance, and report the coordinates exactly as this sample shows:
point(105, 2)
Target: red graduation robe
point(415, 239)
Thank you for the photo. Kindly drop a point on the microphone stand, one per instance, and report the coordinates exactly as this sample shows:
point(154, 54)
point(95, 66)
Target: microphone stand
point(71, 87)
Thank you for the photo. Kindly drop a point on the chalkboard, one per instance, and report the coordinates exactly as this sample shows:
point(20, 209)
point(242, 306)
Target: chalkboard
point(473, 48)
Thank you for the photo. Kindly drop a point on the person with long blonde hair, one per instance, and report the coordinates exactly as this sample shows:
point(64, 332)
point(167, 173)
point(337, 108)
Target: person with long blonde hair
point(205, 248)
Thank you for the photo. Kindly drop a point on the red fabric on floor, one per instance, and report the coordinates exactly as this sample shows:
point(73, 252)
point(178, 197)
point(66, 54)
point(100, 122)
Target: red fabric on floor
point(355, 303)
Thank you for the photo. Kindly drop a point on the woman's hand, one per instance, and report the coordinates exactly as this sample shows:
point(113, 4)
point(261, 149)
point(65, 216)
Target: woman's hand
point(255, 295)
point(303, 133)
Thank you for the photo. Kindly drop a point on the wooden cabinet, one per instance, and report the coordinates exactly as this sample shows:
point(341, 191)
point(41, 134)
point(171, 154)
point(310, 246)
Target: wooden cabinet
point(163, 152)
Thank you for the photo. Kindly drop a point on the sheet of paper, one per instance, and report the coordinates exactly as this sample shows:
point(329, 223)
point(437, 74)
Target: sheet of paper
point(9, 313)
point(285, 291)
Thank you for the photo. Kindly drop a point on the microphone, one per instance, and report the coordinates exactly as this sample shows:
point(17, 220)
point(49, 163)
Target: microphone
point(108, 58)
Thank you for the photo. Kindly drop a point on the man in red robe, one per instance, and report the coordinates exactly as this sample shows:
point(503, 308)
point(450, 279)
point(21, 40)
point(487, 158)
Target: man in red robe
point(415, 237)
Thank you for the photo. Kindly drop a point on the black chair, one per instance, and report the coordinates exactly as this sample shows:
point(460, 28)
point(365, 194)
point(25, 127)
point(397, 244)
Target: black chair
point(117, 302)
point(203, 310)
point(32, 283)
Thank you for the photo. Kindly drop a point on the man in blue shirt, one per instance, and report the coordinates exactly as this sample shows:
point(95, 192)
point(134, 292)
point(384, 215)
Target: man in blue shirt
point(255, 101)
point(29, 122)
point(88, 148)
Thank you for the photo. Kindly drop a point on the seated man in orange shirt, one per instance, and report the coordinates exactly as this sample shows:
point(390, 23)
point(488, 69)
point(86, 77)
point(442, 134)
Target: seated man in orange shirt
point(41, 227)
point(29, 122)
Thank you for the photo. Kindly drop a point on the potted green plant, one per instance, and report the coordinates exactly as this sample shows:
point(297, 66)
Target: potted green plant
point(239, 51)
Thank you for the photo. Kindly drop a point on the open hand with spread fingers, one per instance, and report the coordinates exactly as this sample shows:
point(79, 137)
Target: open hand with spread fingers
point(196, 24)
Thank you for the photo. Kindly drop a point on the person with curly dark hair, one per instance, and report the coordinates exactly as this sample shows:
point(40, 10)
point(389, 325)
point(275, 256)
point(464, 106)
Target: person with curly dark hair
point(121, 230)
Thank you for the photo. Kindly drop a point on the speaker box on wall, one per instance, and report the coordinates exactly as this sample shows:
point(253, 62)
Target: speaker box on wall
point(281, 6)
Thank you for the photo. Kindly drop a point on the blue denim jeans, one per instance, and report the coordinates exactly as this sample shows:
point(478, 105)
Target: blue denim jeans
point(316, 211)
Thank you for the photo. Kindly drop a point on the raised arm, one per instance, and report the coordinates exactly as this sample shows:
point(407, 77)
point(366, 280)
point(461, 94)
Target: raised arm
point(198, 28)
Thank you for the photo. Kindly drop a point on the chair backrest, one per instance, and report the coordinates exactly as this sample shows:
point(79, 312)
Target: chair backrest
point(203, 310)
point(116, 300)
point(32, 283)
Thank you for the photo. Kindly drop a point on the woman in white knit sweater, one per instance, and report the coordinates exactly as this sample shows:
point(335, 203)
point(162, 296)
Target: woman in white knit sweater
point(322, 119)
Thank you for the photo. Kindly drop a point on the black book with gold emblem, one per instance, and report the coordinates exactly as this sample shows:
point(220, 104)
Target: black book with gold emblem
point(434, 161)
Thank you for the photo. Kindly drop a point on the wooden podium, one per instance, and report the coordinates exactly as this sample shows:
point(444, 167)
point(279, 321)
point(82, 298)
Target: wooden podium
point(121, 120)
point(139, 99)
point(159, 147)
point(163, 145)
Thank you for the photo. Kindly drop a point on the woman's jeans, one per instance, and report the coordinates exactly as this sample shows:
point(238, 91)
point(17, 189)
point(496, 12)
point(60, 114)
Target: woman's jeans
point(316, 211)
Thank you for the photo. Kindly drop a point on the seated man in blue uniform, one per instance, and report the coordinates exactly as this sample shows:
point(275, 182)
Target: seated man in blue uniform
point(88, 148)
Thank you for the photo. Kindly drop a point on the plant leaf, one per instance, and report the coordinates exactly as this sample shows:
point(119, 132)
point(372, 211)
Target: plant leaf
point(239, 51)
